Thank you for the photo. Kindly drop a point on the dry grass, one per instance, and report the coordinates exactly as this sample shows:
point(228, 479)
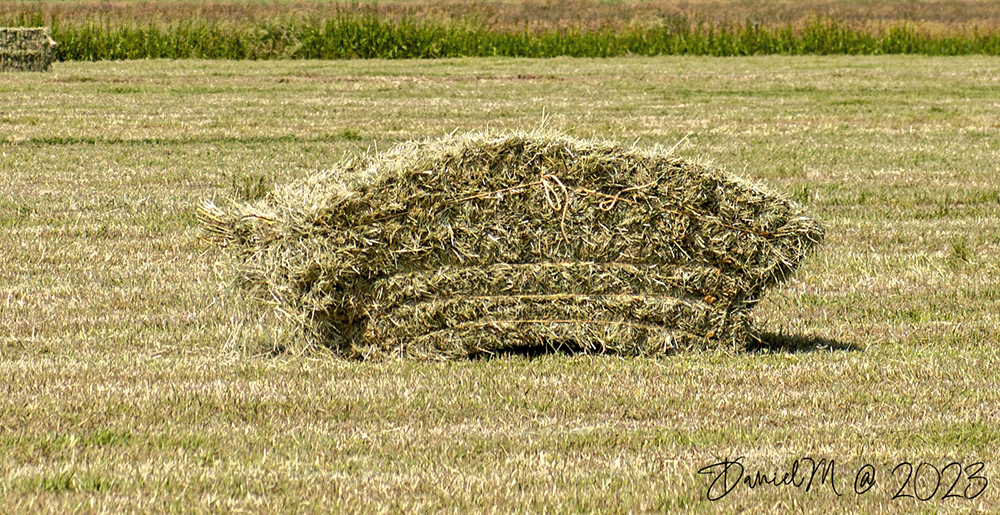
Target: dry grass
point(119, 395)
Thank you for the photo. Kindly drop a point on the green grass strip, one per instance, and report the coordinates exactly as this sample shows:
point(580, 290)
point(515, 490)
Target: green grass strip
point(366, 36)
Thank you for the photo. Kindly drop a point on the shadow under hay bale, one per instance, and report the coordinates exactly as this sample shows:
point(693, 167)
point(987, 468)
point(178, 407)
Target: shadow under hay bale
point(795, 343)
point(26, 49)
point(482, 243)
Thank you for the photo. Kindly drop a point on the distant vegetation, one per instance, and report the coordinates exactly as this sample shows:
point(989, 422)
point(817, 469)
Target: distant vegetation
point(276, 30)
point(368, 37)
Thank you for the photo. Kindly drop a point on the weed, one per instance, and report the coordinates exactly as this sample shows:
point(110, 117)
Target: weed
point(349, 134)
point(803, 194)
point(58, 482)
point(960, 249)
point(249, 187)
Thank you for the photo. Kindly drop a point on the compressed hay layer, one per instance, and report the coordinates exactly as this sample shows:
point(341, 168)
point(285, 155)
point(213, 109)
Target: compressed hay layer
point(581, 293)
point(472, 231)
point(546, 279)
point(26, 49)
point(663, 315)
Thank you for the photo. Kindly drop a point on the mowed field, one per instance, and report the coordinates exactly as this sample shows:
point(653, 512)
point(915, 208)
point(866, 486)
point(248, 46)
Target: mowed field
point(122, 388)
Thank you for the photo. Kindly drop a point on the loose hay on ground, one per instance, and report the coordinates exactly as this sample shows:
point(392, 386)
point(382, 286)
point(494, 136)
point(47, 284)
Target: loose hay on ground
point(482, 243)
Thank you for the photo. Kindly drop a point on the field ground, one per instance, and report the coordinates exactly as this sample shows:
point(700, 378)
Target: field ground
point(122, 391)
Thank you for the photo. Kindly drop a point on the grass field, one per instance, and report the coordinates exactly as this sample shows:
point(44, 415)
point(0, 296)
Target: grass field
point(123, 391)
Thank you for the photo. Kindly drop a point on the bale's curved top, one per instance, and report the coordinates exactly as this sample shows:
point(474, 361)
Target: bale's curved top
point(526, 198)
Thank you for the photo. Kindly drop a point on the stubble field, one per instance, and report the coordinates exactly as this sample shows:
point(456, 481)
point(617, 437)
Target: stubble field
point(124, 391)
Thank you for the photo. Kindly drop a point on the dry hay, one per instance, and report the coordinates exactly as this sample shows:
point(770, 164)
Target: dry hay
point(485, 243)
point(26, 49)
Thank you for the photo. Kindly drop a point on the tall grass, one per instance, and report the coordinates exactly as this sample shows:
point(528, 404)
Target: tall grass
point(368, 36)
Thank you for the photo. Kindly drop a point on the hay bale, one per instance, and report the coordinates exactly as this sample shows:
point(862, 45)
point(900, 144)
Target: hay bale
point(26, 49)
point(486, 242)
